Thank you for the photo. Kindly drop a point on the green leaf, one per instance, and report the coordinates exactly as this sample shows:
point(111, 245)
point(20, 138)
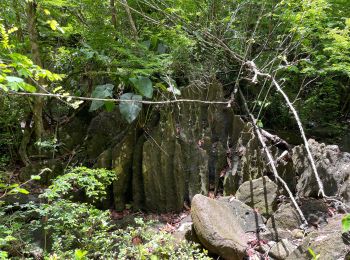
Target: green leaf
point(313, 254)
point(260, 124)
point(345, 222)
point(16, 83)
point(154, 257)
point(53, 24)
point(80, 254)
point(101, 91)
point(3, 87)
point(12, 79)
point(19, 190)
point(130, 110)
point(35, 177)
point(109, 105)
point(27, 87)
point(143, 86)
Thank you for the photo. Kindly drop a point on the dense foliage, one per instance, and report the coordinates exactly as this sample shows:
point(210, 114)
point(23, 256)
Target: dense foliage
point(59, 228)
point(56, 53)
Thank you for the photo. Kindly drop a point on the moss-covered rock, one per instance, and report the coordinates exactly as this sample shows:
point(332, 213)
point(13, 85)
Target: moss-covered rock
point(163, 177)
point(105, 130)
point(122, 155)
point(56, 168)
point(185, 152)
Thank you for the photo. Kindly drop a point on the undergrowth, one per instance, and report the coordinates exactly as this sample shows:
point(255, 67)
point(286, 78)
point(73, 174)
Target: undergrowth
point(59, 228)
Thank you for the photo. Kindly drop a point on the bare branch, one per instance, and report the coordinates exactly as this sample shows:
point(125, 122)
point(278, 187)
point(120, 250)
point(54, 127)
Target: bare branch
point(301, 129)
point(271, 160)
point(119, 100)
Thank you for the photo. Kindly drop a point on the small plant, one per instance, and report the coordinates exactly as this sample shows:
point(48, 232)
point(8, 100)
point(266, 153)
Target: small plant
point(145, 242)
point(92, 181)
point(346, 223)
point(74, 230)
point(313, 254)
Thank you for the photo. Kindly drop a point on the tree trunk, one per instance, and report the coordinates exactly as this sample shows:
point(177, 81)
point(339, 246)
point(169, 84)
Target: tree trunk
point(113, 13)
point(131, 20)
point(17, 6)
point(38, 102)
point(27, 132)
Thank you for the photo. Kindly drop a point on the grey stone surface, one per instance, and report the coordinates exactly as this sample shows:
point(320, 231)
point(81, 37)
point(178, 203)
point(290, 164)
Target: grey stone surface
point(333, 167)
point(249, 219)
point(259, 194)
point(328, 242)
point(217, 228)
point(282, 249)
point(285, 217)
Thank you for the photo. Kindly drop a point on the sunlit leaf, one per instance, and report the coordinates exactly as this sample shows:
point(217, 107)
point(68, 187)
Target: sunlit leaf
point(53, 24)
point(346, 223)
point(80, 254)
point(12, 79)
point(19, 190)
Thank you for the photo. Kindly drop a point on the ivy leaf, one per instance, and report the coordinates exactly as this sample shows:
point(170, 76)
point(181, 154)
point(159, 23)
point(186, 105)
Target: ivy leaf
point(143, 85)
point(346, 223)
point(130, 110)
point(101, 91)
point(162, 48)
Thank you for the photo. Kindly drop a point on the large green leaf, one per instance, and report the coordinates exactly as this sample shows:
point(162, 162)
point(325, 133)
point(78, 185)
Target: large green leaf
point(130, 109)
point(16, 83)
point(143, 85)
point(101, 91)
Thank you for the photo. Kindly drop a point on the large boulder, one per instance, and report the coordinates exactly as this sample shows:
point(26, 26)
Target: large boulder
point(315, 211)
point(217, 228)
point(249, 219)
point(248, 159)
point(259, 194)
point(332, 165)
point(328, 242)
